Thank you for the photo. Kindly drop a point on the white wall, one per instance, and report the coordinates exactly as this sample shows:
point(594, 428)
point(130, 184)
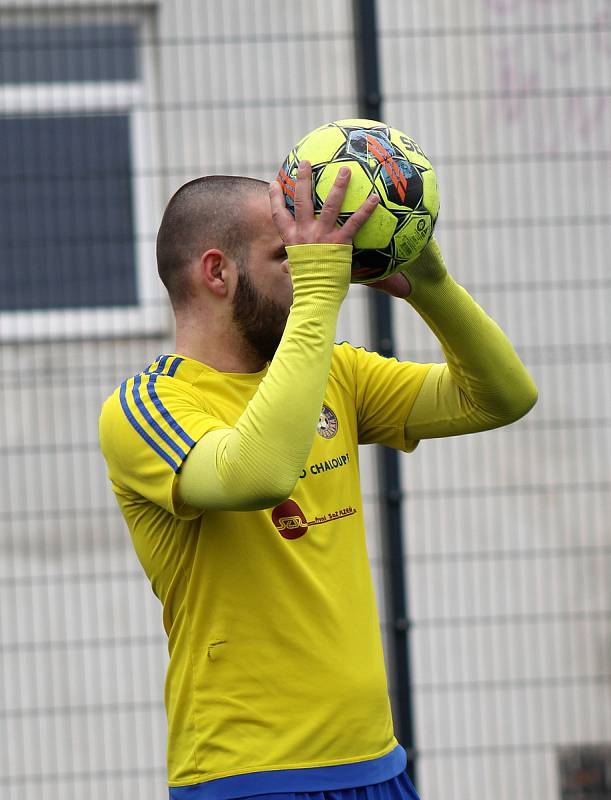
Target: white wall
point(508, 532)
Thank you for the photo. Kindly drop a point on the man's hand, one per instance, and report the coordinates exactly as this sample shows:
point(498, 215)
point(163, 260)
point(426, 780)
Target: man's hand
point(396, 285)
point(304, 228)
point(428, 267)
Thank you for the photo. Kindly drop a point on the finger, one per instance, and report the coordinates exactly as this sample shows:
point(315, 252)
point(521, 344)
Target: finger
point(356, 221)
point(304, 210)
point(282, 217)
point(333, 204)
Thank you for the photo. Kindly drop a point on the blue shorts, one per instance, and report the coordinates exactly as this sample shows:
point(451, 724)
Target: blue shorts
point(370, 779)
point(398, 788)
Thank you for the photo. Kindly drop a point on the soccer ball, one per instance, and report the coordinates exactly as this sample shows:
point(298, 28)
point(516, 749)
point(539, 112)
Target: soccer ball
point(382, 160)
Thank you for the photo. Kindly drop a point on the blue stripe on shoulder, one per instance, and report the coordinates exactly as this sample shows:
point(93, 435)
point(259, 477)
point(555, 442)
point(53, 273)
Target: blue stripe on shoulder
point(150, 386)
point(161, 361)
point(152, 421)
point(140, 430)
point(174, 366)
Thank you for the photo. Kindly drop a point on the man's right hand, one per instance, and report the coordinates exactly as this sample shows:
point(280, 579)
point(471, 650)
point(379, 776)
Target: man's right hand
point(305, 228)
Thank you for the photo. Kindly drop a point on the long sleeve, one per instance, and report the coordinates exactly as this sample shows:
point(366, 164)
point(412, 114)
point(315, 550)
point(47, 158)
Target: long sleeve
point(257, 463)
point(484, 384)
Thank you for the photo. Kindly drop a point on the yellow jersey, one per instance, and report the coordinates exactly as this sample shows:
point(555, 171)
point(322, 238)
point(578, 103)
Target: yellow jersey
point(276, 680)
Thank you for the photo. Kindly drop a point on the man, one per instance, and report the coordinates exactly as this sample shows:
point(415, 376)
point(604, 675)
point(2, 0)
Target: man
point(234, 461)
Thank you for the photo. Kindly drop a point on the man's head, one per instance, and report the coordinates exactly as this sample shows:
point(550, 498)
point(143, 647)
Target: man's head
point(218, 251)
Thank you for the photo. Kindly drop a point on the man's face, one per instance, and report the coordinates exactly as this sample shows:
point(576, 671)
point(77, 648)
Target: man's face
point(264, 292)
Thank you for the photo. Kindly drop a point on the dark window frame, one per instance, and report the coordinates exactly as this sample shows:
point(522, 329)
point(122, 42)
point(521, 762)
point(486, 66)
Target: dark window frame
point(131, 97)
point(68, 236)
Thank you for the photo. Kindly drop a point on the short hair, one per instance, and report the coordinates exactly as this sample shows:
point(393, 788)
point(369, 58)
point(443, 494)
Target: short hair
point(205, 212)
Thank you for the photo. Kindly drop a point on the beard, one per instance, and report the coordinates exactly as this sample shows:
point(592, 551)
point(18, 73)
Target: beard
point(260, 320)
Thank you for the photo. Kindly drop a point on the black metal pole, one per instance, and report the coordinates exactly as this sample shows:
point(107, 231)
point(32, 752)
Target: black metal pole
point(370, 107)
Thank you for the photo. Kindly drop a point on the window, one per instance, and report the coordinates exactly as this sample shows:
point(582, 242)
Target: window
point(78, 203)
point(585, 773)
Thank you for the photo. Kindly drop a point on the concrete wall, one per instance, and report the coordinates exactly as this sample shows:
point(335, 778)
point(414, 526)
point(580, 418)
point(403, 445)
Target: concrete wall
point(508, 532)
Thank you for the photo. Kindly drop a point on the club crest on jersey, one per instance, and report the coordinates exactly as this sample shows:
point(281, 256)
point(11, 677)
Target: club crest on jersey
point(327, 423)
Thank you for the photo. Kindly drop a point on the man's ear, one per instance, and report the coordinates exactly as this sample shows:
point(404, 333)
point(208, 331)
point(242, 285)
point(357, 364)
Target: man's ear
point(215, 272)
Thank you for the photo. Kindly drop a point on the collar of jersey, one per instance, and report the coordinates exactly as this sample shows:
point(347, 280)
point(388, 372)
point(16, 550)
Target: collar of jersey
point(191, 370)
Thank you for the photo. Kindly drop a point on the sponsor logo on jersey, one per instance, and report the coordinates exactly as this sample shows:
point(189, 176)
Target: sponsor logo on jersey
point(291, 522)
point(327, 423)
point(320, 467)
point(329, 463)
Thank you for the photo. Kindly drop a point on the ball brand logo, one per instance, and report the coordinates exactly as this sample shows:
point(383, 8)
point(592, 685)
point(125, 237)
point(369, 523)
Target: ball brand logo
point(375, 149)
point(291, 522)
point(395, 172)
point(327, 423)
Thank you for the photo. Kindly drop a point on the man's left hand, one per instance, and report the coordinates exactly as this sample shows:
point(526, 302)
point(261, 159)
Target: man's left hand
point(396, 285)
